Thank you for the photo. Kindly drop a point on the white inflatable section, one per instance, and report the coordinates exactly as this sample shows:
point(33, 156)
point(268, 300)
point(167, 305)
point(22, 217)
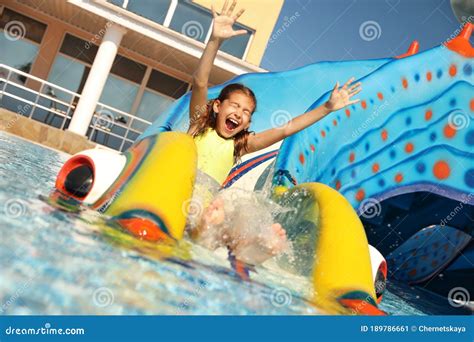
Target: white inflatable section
point(376, 259)
point(107, 167)
point(249, 180)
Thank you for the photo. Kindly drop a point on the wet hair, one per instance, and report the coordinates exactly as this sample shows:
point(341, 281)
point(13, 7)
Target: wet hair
point(208, 118)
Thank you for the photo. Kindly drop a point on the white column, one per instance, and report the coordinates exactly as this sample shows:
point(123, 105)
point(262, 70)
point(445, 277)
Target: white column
point(96, 80)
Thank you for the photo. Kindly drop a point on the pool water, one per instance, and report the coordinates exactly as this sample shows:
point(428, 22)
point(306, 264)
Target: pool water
point(55, 261)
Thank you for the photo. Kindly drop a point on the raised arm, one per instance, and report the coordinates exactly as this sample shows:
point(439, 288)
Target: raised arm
point(340, 98)
point(221, 30)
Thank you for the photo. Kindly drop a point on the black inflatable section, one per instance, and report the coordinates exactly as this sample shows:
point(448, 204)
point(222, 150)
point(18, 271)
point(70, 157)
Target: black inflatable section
point(79, 181)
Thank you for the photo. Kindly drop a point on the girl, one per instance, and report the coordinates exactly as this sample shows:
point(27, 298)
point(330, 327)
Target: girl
point(220, 128)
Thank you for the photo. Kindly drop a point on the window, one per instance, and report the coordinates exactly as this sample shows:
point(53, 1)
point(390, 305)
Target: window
point(78, 49)
point(128, 69)
point(191, 20)
point(68, 73)
point(237, 45)
point(161, 91)
point(151, 106)
point(166, 84)
point(116, 2)
point(22, 26)
point(119, 93)
point(150, 9)
point(85, 52)
point(19, 39)
point(19, 54)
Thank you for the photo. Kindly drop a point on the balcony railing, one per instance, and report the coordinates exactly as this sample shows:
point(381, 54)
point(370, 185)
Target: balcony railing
point(54, 106)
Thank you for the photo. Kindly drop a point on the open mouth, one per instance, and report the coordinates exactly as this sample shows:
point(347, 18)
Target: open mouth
point(231, 124)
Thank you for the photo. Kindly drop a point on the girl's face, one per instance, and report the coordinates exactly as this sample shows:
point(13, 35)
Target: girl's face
point(233, 114)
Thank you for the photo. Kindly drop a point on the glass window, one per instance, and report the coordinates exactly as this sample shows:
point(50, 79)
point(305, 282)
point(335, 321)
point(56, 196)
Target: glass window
point(166, 84)
point(150, 9)
point(69, 74)
point(19, 54)
point(17, 26)
point(151, 106)
point(128, 69)
point(191, 20)
point(119, 94)
point(162, 90)
point(78, 48)
point(116, 2)
point(85, 51)
point(237, 45)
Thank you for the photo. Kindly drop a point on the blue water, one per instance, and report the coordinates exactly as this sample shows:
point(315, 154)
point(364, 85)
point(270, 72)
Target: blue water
point(54, 261)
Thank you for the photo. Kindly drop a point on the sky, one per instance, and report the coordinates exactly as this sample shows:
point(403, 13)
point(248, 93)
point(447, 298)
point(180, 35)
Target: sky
point(335, 30)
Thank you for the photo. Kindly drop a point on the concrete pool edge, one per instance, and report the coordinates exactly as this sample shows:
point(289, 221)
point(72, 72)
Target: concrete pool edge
point(43, 134)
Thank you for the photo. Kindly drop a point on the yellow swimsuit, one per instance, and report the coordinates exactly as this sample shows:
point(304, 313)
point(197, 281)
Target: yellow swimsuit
point(215, 154)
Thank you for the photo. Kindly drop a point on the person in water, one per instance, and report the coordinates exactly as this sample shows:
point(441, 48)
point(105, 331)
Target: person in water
point(220, 128)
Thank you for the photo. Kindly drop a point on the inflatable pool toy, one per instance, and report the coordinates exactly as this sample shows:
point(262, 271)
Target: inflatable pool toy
point(323, 218)
point(153, 210)
point(410, 134)
point(414, 265)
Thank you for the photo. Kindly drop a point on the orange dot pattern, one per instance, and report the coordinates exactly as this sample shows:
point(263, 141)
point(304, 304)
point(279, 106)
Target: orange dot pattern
point(449, 131)
point(441, 169)
point(428, 114)
point(375, 167)
point(452, 70)
point(405, 83)
point(360, 195)
point(352, 157)
point(301, 158)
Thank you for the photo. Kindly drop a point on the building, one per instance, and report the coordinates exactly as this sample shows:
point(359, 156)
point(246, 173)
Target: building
point(106, 69)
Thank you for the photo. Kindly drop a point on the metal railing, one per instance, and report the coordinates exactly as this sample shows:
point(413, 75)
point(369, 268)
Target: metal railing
point(55, 105)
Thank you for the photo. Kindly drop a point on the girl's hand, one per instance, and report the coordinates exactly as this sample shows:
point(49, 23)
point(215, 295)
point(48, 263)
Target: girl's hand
point(341, 97)
point(223, 22)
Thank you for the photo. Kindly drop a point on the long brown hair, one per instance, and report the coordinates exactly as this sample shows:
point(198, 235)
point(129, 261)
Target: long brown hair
point(208, 118)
